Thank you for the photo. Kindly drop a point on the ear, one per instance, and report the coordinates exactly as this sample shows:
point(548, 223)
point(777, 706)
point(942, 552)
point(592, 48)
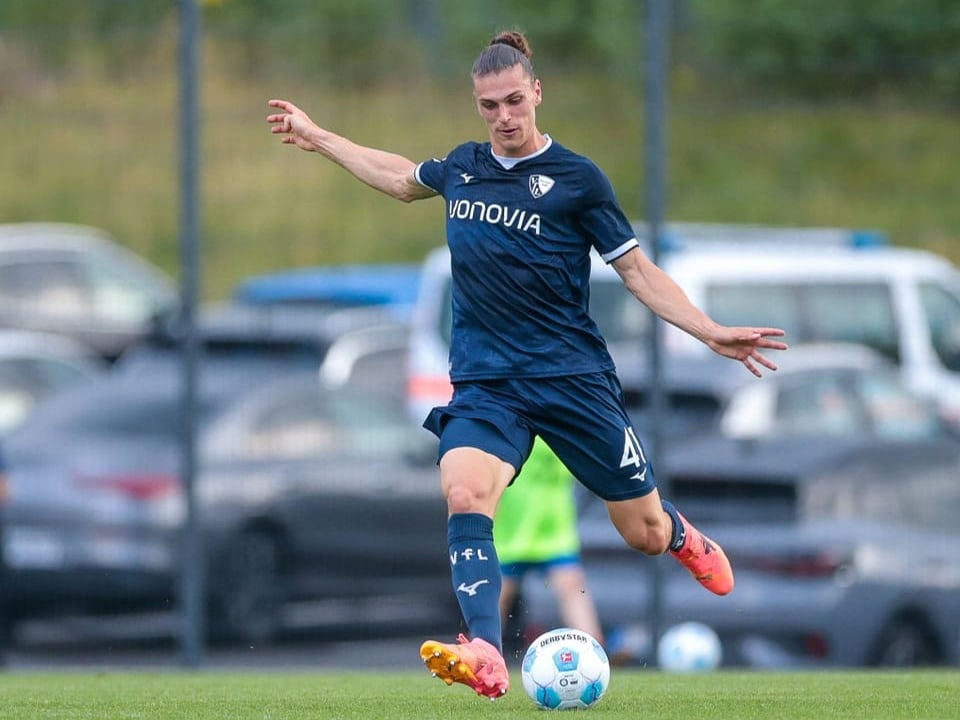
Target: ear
point(537, 92)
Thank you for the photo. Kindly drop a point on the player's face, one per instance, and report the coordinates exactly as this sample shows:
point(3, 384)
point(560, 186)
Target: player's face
point(507, 102)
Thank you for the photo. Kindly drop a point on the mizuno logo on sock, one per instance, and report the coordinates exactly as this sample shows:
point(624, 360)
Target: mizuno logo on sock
point(471, 589)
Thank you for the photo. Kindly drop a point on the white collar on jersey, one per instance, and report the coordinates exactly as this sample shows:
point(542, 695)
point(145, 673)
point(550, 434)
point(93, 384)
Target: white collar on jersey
point(509, 162)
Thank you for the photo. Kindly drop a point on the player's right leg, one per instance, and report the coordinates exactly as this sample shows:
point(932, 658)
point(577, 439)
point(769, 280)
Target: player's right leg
point(473, 476)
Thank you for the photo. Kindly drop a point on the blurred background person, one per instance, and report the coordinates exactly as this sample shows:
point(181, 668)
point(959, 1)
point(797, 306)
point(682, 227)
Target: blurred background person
point(535, 531)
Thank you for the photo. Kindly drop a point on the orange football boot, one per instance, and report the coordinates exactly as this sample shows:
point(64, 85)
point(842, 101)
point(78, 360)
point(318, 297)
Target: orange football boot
point(475, 663)
point(705, 560)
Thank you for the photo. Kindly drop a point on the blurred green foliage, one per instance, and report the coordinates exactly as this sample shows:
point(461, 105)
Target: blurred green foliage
point(853, 48)
point(815, 48)
point(88, 116)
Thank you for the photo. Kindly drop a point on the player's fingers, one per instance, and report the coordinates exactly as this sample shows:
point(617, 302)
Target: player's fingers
point(758, 335)
point(750, 366)
point(765, 361)
point(761, 337)
point(769, 343)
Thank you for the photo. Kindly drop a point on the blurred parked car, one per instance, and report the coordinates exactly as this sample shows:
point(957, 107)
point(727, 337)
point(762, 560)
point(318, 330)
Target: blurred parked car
point(76, 281)
point(902, 302)
point(819, 389)
point(34, 366)
point(835, 493)
point(836, 389)
point(316, 495)
point(845, 552)
point(311, 488)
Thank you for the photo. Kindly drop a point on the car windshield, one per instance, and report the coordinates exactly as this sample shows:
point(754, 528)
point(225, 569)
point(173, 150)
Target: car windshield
point(817, 312)
point(142, 395)
point(942, 310)
point(896, 413)
point(148, 407)
point(830, 402)
point(300, 418)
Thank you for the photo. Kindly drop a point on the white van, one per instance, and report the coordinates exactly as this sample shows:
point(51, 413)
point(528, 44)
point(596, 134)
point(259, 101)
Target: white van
point(903, 303)
point(820, 285)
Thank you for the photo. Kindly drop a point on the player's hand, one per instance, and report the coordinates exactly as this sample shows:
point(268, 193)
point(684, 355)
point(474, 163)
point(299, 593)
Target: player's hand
point(745, 344)
point(293, 123)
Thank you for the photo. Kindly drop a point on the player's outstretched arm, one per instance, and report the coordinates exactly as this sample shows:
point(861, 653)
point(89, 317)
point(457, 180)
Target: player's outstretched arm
point(384, 171)
point(658, 291)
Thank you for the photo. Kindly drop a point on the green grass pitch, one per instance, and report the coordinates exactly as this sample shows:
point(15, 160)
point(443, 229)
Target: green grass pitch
point(279, 695)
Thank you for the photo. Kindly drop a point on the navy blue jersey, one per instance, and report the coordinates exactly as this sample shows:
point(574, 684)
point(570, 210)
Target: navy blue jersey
point(520, 242)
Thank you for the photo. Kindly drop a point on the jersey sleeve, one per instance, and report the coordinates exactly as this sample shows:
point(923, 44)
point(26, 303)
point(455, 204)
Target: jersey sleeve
point(603, 219)
point(431, 174)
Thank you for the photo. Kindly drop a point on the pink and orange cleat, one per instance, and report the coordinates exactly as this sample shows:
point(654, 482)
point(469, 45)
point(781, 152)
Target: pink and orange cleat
point(475, 663)
point(705, 560)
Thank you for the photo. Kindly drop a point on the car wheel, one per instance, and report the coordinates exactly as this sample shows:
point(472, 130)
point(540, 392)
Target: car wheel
point(246, 596)
point(906, 643)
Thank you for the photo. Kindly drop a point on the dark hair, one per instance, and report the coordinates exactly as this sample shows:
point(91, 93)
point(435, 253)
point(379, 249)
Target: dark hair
point(504, 51)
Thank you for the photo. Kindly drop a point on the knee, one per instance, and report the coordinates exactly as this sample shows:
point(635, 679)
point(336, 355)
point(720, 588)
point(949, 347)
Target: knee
point(472, 480)
point(462, 499)
point(469, 496)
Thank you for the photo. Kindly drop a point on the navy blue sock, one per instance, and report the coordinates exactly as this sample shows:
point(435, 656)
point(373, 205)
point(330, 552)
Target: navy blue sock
point(475, 571)
point(678, 535)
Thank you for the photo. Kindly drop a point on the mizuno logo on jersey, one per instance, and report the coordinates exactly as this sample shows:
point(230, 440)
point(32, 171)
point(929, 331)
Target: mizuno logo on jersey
point(540, 185)
point(494, 214)
point(466, 178)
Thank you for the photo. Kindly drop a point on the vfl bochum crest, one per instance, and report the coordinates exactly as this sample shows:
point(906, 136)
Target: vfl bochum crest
point(540, 185)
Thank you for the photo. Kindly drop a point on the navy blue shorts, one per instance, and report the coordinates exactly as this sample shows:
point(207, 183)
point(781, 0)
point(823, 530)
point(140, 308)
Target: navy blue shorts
point(581, 417)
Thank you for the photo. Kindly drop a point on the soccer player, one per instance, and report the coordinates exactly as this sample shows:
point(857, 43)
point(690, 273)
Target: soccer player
point(523, 214)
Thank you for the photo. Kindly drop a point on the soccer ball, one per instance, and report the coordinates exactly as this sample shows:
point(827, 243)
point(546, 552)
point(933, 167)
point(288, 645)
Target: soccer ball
point(689, 647)
point(565, 669)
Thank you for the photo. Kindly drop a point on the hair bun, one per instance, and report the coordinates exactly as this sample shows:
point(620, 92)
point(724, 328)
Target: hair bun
point(515, 40)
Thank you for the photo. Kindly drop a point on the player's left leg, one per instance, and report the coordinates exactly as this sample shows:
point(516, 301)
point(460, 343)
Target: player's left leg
point(703, 557)
point(585, 422)
point(654, 526)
